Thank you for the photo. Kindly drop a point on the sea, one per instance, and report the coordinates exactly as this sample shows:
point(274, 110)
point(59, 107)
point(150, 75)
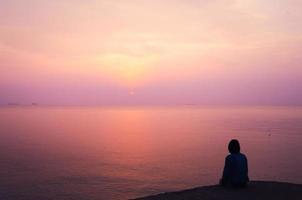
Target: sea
point(124, 152)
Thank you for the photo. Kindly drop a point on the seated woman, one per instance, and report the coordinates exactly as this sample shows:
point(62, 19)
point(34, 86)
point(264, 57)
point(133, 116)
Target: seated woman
point(235, 173)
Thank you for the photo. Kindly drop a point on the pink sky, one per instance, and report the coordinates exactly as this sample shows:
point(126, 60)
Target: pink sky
point(93, 52)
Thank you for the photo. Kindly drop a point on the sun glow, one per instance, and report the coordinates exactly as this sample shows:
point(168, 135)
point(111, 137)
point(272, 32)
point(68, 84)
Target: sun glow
point(131, 92)
point(127, 69)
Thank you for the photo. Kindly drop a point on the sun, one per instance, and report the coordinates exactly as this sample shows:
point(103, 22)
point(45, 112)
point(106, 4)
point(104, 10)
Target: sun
point(131, 92)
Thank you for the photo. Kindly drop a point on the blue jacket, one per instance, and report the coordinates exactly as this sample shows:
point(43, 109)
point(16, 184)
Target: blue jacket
point(235, 171)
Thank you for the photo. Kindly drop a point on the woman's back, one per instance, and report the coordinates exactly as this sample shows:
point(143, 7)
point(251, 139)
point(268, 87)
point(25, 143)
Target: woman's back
point(235, 171)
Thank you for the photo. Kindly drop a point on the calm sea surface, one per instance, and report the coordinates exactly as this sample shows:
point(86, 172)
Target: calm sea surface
point(126, 152)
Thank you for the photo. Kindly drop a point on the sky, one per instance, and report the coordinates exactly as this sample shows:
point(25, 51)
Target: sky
point(99, 52)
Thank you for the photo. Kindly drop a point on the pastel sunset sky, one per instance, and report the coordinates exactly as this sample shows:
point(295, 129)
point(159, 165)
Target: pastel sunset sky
point(95, 52)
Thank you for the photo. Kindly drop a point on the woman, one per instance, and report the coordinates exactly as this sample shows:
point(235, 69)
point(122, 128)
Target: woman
point(235, 173)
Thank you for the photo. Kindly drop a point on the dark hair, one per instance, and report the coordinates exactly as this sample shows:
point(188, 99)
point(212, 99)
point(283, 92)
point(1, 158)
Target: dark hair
point(234, 146)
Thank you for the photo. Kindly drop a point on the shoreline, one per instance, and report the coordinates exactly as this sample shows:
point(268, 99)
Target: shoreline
point(259, 190)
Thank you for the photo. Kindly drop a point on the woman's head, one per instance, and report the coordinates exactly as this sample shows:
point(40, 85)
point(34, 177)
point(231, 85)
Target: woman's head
point(234, 146)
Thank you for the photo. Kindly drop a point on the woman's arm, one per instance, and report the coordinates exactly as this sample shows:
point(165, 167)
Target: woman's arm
point(226, 171)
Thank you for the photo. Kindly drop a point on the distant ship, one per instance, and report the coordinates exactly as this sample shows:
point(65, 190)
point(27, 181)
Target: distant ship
point(34, 104)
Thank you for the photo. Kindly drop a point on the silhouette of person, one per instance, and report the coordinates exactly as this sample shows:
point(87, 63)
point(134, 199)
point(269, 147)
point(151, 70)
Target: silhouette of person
point(235, 172)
